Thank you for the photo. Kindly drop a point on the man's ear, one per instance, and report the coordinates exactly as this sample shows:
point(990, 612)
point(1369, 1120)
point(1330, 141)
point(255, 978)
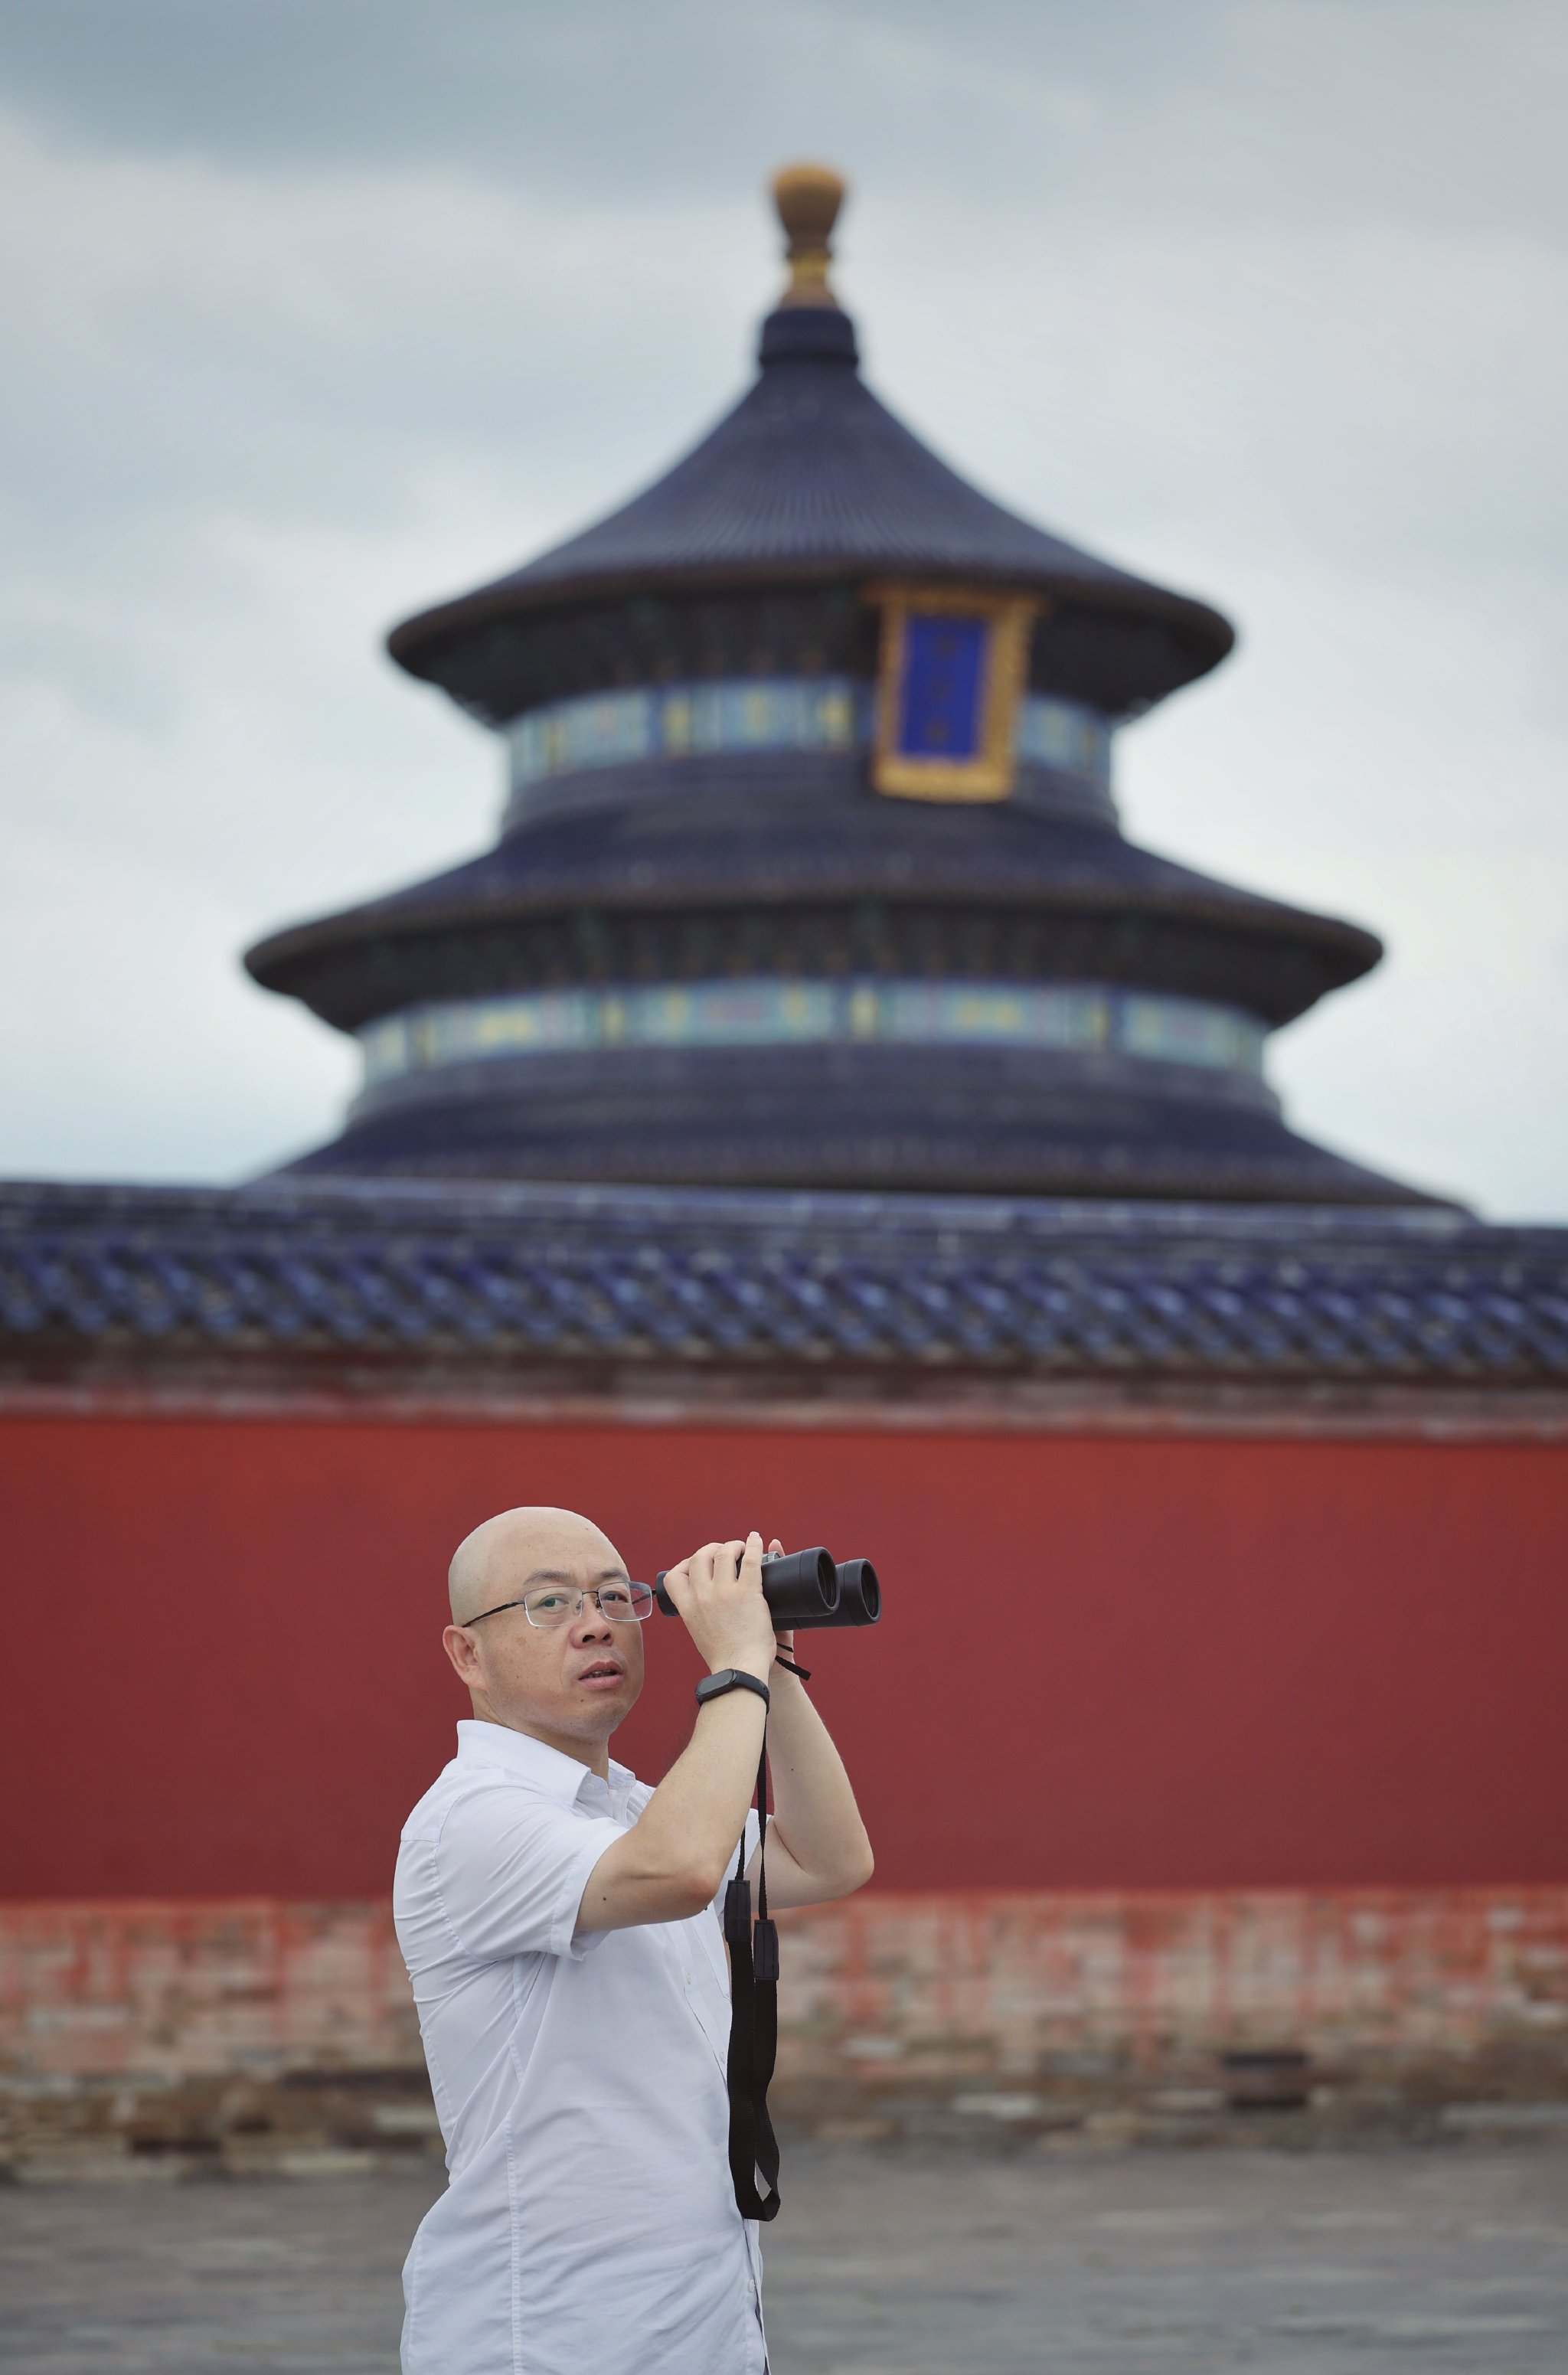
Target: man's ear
point(464, 1655)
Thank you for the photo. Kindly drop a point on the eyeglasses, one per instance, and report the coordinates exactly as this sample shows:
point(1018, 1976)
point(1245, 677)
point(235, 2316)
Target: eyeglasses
point(556, 1603)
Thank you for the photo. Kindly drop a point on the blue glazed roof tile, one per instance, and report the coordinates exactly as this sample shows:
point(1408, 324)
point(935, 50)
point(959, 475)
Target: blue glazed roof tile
point(887, 1283)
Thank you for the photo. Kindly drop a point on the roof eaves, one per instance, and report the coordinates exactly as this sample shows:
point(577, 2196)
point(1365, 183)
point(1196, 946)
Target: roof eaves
point(417, 644)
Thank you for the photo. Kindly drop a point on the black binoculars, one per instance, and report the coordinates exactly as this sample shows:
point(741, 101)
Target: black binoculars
point(803, 1588)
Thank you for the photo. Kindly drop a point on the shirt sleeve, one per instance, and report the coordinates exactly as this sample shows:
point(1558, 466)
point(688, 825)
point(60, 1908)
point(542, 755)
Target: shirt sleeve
point(511, 1867)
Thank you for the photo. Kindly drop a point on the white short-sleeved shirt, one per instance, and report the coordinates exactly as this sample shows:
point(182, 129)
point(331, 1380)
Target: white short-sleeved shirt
point(589, 2225)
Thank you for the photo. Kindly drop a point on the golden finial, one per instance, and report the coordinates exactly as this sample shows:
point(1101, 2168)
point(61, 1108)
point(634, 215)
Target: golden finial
point(808, 198)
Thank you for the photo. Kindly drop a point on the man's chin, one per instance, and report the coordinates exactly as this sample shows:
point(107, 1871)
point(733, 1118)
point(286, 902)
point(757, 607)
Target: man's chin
point(599, 1708)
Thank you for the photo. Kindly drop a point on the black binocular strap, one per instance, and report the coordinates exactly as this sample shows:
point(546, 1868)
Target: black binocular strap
point(753, 2024)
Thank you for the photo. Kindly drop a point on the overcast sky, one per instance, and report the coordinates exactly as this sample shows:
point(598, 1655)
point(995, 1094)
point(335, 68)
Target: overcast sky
point(319, 310)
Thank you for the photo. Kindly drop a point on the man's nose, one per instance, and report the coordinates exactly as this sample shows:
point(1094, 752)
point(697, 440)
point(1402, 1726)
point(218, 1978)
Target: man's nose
point(592, 1624)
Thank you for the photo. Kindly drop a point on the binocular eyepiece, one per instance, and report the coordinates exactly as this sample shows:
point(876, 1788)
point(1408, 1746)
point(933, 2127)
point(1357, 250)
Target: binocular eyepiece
point(807, 1588)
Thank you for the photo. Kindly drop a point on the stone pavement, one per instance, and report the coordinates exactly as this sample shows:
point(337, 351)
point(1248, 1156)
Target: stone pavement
point(932, 2264)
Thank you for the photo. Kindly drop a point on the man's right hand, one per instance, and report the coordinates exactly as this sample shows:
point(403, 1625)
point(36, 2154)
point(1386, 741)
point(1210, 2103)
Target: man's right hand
point(718, 1591)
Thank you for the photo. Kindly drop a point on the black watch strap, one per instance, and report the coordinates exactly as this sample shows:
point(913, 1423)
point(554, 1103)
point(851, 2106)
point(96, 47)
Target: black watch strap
point(731, 1678)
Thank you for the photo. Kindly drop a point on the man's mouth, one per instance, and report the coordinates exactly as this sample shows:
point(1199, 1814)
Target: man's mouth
point(603, 1672)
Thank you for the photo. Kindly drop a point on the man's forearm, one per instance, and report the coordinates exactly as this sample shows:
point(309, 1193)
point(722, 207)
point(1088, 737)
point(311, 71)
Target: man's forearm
point(671, 1862)
point(815, 1816)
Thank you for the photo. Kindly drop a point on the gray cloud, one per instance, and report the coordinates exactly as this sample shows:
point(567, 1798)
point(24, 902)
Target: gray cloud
point(1447, 109)
point(609, 94)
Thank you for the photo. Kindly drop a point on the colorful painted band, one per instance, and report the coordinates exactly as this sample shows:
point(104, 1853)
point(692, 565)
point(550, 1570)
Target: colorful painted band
point(772, 1013)
point(830, 712)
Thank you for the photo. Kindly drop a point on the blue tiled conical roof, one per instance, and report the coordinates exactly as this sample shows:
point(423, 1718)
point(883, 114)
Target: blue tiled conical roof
point(810, 477)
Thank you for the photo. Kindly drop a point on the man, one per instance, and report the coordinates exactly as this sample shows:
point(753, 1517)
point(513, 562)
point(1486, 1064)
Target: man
point(559, 1923)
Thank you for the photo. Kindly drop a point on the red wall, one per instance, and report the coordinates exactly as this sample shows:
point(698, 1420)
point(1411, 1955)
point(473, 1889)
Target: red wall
point(1139, 1663)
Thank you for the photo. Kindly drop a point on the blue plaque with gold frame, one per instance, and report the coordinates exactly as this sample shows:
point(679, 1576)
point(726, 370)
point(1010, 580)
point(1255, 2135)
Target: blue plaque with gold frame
point(953, 664)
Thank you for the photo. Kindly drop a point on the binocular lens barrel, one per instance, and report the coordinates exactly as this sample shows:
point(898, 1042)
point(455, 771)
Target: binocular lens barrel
point(806, 1590)
point(860, 1594)
point(801, 1589)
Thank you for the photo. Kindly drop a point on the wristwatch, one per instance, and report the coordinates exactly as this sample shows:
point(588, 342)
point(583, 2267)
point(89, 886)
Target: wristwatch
point(731, 1678)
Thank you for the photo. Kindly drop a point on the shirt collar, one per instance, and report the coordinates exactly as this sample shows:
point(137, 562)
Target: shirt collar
point(549, 1769)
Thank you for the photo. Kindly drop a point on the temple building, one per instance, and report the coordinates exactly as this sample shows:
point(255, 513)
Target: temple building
point(816, 1112)
point(810, 825)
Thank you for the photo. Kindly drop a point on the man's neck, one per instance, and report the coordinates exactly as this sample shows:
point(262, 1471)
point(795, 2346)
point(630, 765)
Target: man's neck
point(594, 1753)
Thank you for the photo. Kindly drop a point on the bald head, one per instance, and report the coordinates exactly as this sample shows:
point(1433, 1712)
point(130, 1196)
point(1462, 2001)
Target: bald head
point(498, 1560)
